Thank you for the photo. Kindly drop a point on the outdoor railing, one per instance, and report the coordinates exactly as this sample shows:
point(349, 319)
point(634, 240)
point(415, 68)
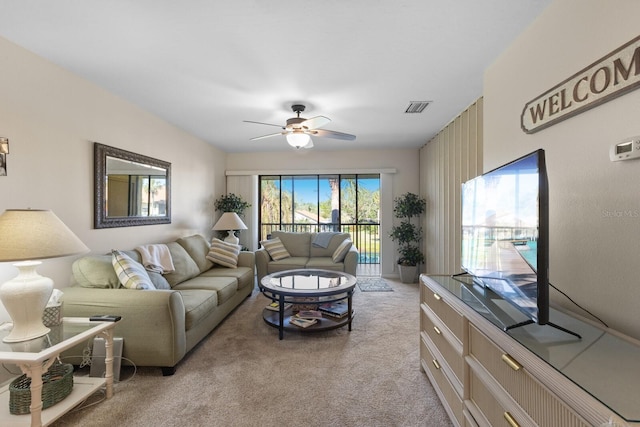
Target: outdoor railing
point(366, 237)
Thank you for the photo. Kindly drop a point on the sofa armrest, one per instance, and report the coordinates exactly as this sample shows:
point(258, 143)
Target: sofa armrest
point(152, 325)
point(247, 259)
point(262, 263)
point(351, 261)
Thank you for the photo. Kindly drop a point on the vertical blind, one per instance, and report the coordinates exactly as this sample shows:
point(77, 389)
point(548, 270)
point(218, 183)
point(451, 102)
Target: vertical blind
point(452, 157)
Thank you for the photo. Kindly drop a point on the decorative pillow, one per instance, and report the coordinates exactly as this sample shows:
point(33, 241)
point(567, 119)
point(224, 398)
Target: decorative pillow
point(158, 280)
point(276, 249)
point(223, 253)
point(131, 274)
point(342, 250)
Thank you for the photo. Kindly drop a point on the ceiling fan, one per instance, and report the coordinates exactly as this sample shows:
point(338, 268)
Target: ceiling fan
point(299, 130)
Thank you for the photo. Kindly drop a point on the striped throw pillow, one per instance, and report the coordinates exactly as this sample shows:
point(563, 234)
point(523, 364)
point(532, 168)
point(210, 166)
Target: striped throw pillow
point(131, 274)
point(341, 251)
point(276, 249)
point(223, 253)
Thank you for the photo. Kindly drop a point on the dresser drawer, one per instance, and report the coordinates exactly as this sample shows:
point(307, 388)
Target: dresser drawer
point(535, 399)
point(448, 345)
point(444, 311)
point(493, 412)
point(433, 364)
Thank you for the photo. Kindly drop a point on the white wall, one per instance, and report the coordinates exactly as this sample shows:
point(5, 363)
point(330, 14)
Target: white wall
point(405, 179)
point(51, 118)
point(593, 251)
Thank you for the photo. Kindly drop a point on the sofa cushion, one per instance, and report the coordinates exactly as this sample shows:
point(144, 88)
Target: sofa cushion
point(197, 247)
point(225, 287)
point(186, 267)
point(341, 251)
point(335, 241)
point(297, 244)
point(325, 263)
point(131, 274)
point(275, 248)
point(244, 275)
point(95, 271)
point(291, 263)
point(198, 304)
point(224, 253)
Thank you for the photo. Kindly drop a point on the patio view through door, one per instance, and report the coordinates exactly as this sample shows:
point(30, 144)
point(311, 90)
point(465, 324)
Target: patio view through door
point(347, 203)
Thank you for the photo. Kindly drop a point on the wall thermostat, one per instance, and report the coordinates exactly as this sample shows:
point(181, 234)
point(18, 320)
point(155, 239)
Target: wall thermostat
point(625, 150)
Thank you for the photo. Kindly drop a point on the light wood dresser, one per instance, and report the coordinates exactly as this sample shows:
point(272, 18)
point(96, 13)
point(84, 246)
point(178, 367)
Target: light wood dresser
point(530, 376)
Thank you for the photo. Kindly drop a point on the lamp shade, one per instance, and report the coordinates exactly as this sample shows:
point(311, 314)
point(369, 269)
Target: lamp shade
point(229, 221)
point(27, 236)
point(30, 234)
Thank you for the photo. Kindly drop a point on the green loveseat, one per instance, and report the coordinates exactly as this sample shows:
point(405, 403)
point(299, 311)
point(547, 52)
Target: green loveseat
point(160, 326)
point(304, 254)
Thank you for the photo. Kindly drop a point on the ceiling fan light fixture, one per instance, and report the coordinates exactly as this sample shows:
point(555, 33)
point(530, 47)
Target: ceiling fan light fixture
point(298, 139)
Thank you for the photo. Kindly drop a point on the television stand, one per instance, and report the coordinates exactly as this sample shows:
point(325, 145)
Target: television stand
point(553, 325)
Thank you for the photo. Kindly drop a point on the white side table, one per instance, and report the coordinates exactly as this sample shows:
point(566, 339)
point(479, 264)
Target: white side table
point(34, 357)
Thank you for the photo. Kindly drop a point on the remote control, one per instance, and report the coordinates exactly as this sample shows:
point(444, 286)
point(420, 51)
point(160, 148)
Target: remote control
point(105, 318)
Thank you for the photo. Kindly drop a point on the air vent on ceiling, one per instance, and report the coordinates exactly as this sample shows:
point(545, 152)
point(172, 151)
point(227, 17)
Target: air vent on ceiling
point(417, 106)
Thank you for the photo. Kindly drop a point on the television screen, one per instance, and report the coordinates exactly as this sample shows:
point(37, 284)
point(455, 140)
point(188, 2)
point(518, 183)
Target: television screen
point(505, 233)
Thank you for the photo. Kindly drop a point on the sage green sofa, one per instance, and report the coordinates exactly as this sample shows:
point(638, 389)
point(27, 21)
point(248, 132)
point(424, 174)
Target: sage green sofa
point(160, 326)
point(304, 254)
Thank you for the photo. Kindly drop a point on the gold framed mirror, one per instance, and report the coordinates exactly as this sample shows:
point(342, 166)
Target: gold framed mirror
point(130, 189)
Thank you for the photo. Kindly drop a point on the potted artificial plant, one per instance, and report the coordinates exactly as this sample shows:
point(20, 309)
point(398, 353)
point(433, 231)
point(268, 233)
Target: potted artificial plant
point(231, 203)
point(408, 235)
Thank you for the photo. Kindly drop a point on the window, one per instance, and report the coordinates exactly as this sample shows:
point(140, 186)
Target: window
point(348, 203)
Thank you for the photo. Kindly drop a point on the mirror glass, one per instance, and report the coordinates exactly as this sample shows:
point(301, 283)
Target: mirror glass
point(130, 189)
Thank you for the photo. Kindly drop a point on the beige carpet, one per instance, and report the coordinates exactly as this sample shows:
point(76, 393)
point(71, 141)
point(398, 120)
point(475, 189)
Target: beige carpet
point(242, 375)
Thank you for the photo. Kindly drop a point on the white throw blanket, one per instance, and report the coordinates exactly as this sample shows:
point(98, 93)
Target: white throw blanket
point(156, 258)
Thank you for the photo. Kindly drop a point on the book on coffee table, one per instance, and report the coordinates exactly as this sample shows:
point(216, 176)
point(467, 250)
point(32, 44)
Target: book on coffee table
point(303, 323)
point(275, 306)
point(337, 309)
point(309, 314)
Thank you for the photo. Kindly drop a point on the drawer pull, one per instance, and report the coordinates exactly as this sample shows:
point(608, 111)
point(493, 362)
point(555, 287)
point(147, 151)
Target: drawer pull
point(437, 297)
point(436, 364)
point(511, 362)
point(512, 422)
point(438, 331)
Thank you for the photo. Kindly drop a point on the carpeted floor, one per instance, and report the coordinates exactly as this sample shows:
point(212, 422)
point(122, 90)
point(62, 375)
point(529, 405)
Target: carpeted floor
point(373, 284)
point(242, 375)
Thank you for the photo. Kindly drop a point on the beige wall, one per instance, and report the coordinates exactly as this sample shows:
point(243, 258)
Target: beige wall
point(51, 118)
point(594, 203)
point(405, 162)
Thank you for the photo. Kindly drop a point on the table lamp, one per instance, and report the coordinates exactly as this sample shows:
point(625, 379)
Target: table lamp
point(27, 236)
point(230, 221)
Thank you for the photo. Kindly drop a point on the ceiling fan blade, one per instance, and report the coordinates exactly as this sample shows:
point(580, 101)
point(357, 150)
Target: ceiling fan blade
point(261, 123)
point(315, 122)
point(267, 136)
point(309, 144)
point(325, 133)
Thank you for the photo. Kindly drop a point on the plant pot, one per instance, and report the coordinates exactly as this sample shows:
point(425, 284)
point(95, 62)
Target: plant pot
point(408, 273)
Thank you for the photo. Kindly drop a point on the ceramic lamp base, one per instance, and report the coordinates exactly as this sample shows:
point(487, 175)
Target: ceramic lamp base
point(231, 238)
point(25, 297)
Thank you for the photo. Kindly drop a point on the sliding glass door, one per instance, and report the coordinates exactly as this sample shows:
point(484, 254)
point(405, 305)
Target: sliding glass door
point(348, 203)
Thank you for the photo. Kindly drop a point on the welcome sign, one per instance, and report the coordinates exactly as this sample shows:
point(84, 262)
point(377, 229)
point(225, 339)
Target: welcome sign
point(615, 74)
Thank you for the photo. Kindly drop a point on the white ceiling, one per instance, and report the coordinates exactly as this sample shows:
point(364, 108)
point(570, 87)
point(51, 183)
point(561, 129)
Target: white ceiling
point(207, 65)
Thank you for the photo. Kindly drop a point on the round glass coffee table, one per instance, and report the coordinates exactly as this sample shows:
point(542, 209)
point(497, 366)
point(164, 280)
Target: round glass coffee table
point(326, 291)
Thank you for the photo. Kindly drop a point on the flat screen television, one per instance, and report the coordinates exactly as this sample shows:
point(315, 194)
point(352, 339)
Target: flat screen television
point(505, 234)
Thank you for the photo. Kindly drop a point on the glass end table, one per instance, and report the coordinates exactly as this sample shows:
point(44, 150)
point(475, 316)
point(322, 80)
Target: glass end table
point(34, 357)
